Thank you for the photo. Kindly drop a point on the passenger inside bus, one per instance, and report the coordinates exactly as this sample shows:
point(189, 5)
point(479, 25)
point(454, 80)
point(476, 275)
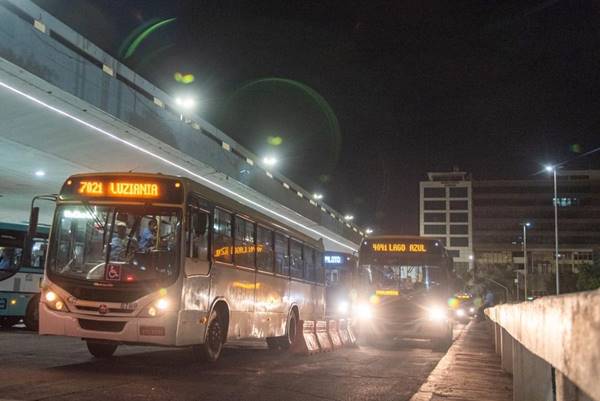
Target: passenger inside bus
point(148, 237)
point(121, 246)
point(7, 259)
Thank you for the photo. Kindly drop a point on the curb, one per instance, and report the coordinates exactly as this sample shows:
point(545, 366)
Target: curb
point(427, 390)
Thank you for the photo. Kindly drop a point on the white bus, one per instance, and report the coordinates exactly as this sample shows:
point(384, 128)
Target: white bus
point(152, 259)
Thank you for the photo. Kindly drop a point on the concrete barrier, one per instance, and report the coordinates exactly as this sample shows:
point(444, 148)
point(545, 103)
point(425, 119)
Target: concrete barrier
point(350, 328)
point(343, 332)
point(551, 346)
point(323, 336)
point(334, 335)
point(305, 342)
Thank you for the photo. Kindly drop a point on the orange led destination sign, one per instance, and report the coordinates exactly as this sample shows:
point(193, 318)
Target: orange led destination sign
point(121, 189)
point(399, 247)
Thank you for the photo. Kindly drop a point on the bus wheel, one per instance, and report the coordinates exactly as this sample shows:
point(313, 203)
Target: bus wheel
point(6, 322)
point(210, 351)
point(101, 350)
point(32, 315)
point(292, 330)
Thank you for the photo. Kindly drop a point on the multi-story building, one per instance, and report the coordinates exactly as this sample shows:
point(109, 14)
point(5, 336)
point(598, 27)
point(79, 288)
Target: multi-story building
point(497, 210)
point(446, 213)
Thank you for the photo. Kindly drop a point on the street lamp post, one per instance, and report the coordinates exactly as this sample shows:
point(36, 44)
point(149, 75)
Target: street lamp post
point(553, 170)
point(525, 227)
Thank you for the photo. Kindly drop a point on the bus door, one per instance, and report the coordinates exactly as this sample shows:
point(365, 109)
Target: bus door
point(196, 284)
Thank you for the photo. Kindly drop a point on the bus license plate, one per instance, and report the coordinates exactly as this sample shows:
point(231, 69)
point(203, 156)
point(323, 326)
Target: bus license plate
point(2, 303)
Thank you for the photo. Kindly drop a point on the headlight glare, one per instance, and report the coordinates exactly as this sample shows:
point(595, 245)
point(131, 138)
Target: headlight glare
point(50, 296)
point(437, 314)
point(53, 301)
point(343, 307)
point(364, 311)
point(162, 304)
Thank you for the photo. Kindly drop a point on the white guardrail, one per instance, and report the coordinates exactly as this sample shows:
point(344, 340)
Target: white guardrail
point(551, 346)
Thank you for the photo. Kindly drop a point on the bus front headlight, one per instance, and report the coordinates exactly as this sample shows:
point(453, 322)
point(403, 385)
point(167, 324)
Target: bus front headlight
point(437, 314)
point(156, 308)
point(343, 308)
point(460, 312)
point(53, 301)
point(364, 311)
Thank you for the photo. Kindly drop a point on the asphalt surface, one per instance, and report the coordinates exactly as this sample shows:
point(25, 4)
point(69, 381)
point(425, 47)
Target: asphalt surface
point(56, 368)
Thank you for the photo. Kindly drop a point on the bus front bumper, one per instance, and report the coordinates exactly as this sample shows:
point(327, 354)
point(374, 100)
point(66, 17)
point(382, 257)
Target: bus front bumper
point(129, 330)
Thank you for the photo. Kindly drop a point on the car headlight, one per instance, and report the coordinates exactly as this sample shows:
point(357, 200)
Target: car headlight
point(460, 312)
point(343, 307)
point(364, 311)
point(437, 314)
point(156, 308)
point(53, 301)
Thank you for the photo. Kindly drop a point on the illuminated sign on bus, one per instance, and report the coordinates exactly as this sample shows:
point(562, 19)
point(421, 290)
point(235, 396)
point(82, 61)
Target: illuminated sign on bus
point(333, 259)
point(119, 189)
point(399, 247)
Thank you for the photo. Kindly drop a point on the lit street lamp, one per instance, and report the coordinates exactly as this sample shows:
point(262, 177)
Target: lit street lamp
point(317, 196)
point(525, 227)
point(369, 231)
point(269, 161)
point(185, 102)
point(552, 169)
point(348, 217)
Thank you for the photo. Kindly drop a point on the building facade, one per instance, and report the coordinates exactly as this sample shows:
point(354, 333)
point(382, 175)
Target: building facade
point(499, 208)
point(446, 213)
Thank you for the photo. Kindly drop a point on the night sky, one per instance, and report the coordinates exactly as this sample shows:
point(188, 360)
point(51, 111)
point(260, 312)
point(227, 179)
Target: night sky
point(370, 96)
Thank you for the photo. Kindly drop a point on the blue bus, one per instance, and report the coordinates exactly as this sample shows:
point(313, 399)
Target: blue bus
point(21, 277)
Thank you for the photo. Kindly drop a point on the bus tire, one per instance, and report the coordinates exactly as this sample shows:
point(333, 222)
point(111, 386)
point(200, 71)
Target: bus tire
point(214, 339)
point(32, 315)
point(101, 350)
point(291, 331)
point(6, 322)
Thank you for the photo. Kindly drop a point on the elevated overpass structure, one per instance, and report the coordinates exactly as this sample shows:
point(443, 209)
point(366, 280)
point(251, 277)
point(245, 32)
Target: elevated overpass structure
point(66, 107)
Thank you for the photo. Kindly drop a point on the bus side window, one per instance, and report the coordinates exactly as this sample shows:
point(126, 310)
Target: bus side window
point(296, 261)
point(264, 249)
point(196, 261)
point(281, 255)
point(309, 262)
point(223, 246)
point(244, 242)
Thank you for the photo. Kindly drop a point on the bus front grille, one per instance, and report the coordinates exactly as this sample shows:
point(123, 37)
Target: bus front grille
point(123, 295)
point(99, 325)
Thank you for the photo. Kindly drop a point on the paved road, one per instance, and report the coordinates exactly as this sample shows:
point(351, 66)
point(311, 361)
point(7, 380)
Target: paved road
point(56, 368)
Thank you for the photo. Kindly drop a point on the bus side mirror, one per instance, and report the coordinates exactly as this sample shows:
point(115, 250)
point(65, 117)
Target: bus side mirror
point(34, 216)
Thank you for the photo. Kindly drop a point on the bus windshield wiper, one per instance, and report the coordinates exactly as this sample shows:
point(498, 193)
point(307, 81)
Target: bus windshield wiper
point(93, 214)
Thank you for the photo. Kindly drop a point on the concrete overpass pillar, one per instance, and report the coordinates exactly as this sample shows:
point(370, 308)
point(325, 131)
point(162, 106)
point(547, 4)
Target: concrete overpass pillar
point(506, 351)
point(532, 376)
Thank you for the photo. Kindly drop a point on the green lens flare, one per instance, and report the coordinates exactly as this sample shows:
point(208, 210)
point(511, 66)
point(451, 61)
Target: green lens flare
point(134, 40)
point(184, 78)
point(319, 100)
point(274, 140)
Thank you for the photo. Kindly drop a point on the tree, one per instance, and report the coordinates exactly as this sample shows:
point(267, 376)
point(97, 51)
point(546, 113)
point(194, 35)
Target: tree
point(589, 277)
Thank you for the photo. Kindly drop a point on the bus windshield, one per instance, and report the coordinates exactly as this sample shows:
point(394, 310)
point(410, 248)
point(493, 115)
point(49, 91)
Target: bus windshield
point(407, 279)
point(117, 244)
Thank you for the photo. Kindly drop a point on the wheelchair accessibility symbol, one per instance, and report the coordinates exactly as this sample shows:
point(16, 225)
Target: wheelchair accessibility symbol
point(113, 273)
